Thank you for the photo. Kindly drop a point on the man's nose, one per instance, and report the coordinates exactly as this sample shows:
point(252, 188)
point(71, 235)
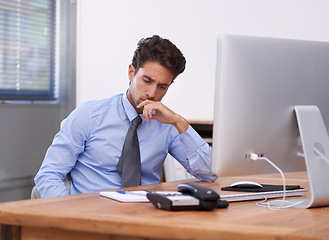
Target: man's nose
point(152, 92)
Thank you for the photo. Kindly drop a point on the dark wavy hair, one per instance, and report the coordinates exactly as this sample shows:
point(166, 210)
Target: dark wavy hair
point(159, 50)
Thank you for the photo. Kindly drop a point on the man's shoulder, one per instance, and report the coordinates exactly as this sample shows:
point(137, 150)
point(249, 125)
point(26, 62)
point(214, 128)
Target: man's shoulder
point(105, 102)
point(95, 105)
point(95, 108)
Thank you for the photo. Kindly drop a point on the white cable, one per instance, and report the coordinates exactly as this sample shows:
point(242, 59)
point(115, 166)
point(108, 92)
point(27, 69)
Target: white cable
point(321, 156)
point(268, 204)
point(264, 203)
point(300, 154)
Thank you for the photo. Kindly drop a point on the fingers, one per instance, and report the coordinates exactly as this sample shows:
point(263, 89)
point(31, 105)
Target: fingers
point(146, 102)
point(161, 113)
point(154, 110)
point(147, 112)
point(148, 108)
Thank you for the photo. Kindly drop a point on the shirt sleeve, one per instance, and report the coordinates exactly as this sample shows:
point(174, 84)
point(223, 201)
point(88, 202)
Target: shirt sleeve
point(62, 155)
point(193, 153)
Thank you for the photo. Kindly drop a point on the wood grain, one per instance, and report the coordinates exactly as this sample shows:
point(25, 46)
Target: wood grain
point(84, 215)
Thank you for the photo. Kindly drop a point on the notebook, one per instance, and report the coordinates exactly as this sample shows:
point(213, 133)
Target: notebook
point(131, 196)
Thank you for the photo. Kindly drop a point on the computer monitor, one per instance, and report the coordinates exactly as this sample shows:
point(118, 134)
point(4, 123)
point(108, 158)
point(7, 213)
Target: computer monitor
point(258, 82)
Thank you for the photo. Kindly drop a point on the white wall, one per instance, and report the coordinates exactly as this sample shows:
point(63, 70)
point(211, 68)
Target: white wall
point(108, 31)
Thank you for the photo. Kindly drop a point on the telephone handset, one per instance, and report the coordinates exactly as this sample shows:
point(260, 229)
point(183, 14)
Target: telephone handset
point(190, 196)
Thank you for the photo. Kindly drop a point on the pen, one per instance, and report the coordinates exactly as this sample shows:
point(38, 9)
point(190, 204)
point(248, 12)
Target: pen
point(121, 191)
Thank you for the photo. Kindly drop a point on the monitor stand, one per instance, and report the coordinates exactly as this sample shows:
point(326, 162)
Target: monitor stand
point(315, 142)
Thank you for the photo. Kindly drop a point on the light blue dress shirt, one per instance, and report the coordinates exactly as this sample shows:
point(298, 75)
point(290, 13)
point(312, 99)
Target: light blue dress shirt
point(89, 144)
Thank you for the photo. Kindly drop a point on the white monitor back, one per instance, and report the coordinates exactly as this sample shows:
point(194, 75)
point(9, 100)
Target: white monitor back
point(258, 83)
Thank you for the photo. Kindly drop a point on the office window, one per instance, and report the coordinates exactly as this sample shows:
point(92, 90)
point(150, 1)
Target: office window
point(27, 49)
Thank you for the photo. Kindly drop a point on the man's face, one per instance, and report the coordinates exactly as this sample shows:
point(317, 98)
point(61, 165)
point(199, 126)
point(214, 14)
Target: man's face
point(151, 82)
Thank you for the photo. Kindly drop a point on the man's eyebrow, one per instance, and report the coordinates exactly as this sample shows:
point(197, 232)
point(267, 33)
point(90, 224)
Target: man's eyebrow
point(164, 84)
point(151, 79)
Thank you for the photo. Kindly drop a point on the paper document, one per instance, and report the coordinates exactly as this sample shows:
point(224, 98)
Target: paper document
point(126, 196)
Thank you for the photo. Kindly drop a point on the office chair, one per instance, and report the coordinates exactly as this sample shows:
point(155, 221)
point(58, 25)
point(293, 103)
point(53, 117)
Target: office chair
point(67, 182)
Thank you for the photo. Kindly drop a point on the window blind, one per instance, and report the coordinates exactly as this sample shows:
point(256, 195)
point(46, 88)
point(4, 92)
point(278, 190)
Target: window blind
point(27, 49)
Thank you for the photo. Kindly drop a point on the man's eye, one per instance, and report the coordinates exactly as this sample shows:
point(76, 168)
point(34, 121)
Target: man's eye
point(163, 87)
point(146, 80)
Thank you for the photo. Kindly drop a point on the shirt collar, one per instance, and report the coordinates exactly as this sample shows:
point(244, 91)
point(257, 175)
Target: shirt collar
point(129, 109)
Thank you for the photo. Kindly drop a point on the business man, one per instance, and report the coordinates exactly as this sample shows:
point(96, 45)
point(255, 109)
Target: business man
point(93, 144)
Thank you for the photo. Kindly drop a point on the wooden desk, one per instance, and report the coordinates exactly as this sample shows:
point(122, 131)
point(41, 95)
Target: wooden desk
point(89, 216)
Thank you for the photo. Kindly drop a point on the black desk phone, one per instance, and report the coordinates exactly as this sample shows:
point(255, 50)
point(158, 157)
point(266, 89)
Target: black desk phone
point(190, 196)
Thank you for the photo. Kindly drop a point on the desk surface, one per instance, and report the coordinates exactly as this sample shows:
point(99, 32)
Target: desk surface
point(85, 215)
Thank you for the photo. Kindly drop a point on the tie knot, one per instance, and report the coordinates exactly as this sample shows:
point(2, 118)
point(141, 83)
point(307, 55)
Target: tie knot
point(136, 121)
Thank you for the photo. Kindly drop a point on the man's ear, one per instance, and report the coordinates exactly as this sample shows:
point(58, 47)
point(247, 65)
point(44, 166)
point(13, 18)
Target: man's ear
point(131, 72)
